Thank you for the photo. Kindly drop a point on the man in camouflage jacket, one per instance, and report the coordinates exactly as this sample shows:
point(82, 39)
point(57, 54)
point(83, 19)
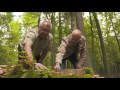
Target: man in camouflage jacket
point(71, 48)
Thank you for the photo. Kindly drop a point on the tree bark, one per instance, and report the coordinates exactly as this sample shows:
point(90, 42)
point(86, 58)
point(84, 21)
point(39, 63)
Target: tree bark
point(80, 26)
point(60, 28)
point(105, 62)
point(92, 44)
point(115, 33)
point(73, 20)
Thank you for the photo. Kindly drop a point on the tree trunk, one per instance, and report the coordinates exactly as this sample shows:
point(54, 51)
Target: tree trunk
point(39, 19)
point(115, 33)
point(80, 25)
point(102, 44)
point(60, 28)
point(53, 52)
point(92, 44)
point(73, 20)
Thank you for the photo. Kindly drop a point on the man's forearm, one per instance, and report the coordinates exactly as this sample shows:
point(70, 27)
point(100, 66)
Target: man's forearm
point(28, 52)
point(82, 56)
point(59, 57)
point(80, 62)
point(29, 55)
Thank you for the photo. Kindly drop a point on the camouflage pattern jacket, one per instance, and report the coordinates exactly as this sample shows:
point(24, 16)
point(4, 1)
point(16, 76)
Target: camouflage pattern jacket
point(66, 49)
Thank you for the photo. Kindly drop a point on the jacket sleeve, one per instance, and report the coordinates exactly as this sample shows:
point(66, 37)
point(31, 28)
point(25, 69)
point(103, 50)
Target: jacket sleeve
point(61, 52)
point(81, 56)
point(29, 37)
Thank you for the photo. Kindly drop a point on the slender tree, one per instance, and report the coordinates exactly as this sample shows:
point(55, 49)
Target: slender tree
point(101, 43)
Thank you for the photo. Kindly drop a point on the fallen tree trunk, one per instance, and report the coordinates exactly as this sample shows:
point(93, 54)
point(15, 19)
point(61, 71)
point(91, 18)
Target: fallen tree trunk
point(19, 71)
point(71, 72)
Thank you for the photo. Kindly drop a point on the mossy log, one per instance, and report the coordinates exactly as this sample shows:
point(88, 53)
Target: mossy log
point(70, 72)
point(20, 71)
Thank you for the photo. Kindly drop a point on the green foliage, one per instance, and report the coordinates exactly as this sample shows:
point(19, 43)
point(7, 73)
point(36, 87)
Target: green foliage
point(45, 73)
point(16, 72)
point(30, 19)
point(25, 69)
point(88, 70)
point(36, 74)
point(12, 30)
point(10, 35)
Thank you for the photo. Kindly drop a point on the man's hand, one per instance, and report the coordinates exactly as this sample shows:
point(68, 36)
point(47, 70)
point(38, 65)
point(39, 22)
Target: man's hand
point(57, 66)
point(78, 66)
point(39, 66)
point(1, 71)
